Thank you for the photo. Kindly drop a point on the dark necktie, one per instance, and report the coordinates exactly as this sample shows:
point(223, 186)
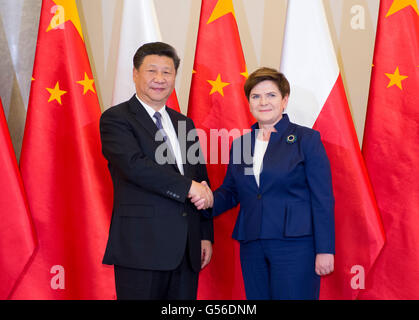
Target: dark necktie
point(157, 116)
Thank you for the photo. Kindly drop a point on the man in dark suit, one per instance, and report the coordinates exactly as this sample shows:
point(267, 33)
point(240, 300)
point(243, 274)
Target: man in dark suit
point(158, 242)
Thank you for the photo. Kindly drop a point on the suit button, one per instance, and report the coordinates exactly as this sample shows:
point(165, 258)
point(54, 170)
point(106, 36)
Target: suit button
point(259, 196)
point(184, 214)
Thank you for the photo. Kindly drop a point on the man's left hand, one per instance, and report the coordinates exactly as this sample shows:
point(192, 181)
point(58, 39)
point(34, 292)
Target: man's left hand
point(206, 252)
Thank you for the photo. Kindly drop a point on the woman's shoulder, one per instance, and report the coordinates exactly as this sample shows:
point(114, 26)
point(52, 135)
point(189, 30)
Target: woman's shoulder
point(303, 131)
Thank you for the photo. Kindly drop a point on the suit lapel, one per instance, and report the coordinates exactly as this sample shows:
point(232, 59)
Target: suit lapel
point(274, 142)
point(180, 128)
point(143, 117)
point(175, 120)
point(248, 163)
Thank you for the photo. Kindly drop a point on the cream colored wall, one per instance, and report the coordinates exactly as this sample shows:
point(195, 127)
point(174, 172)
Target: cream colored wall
point(261, 26)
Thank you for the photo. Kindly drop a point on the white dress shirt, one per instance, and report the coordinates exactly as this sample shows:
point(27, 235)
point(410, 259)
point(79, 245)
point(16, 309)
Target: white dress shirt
point(170, 131)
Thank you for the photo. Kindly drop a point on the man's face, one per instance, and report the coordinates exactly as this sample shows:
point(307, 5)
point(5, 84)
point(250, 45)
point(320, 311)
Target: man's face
point(155, 80)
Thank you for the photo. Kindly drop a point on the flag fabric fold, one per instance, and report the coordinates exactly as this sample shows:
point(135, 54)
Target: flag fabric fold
point(318, 100)
point(18, 239)
point(68, 186)
point(390, 149)
point(219, 108)
point(139, 25)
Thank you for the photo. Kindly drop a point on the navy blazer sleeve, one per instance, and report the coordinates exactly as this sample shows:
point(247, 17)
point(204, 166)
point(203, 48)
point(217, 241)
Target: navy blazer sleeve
point(319, 179)
point(225, 197)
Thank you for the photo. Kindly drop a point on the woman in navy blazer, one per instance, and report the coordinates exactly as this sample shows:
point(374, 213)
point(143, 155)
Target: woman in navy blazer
point(280, 175)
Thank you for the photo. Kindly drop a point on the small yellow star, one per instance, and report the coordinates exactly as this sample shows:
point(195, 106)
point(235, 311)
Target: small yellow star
point(218, 85)
point(245, 74)
point(222, 8)
point(398, 5)
point(87, 84)
point(396, 79)
point(56, 93)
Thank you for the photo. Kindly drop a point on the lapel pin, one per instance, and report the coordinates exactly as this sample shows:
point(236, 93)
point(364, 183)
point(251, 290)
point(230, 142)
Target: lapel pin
point(291, 139)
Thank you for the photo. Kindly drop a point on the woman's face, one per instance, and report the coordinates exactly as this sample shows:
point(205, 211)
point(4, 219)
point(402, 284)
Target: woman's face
point(266, 103)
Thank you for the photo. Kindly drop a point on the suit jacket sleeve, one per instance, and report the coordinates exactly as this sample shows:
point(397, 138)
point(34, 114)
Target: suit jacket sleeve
point(122, 150)
point(319, 179)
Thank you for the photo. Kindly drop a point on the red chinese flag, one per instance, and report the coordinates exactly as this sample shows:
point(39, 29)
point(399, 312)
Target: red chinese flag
point(67, 183)
point(217, 102)
point(391, 151)
point(17, 241)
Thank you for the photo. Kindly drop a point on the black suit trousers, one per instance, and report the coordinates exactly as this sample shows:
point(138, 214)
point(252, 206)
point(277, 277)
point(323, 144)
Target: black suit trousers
point(138, 284)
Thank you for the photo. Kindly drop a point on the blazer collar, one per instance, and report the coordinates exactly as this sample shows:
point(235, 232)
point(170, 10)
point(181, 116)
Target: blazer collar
point(280, 128)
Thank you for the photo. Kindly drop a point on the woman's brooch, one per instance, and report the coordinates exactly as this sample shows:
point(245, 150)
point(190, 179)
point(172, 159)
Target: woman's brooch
point(291, 139)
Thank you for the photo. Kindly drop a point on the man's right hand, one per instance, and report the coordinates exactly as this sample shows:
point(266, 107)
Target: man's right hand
point(201, 195)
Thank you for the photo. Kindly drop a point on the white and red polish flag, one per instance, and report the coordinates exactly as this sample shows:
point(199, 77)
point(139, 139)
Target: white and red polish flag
point(139, 25)
point(318, 101)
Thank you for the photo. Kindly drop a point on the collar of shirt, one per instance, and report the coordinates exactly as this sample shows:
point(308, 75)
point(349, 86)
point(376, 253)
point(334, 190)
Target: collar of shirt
point(151, 111)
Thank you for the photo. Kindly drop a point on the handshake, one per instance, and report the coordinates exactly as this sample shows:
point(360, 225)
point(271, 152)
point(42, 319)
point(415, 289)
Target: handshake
point(201, 195)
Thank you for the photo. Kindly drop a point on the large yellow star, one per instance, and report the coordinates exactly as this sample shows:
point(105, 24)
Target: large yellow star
point(398, 5)
point(396, 79)
point(66, 10)
point(56, 93)
point(222, 8)
point(87, 84)
point(218, 85)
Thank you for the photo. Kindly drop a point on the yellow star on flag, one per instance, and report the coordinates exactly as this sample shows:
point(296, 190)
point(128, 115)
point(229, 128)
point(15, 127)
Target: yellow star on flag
point(56, 93)
point(218, 85)
point(398, 5)
point(245, 74)
point(87, 84)
point(396, 79)
point(66, 10)
point(222, 8)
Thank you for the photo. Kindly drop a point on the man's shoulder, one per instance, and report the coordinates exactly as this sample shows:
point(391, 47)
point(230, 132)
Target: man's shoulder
point(177, 115)
point(120, 108)
point(303, 131)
